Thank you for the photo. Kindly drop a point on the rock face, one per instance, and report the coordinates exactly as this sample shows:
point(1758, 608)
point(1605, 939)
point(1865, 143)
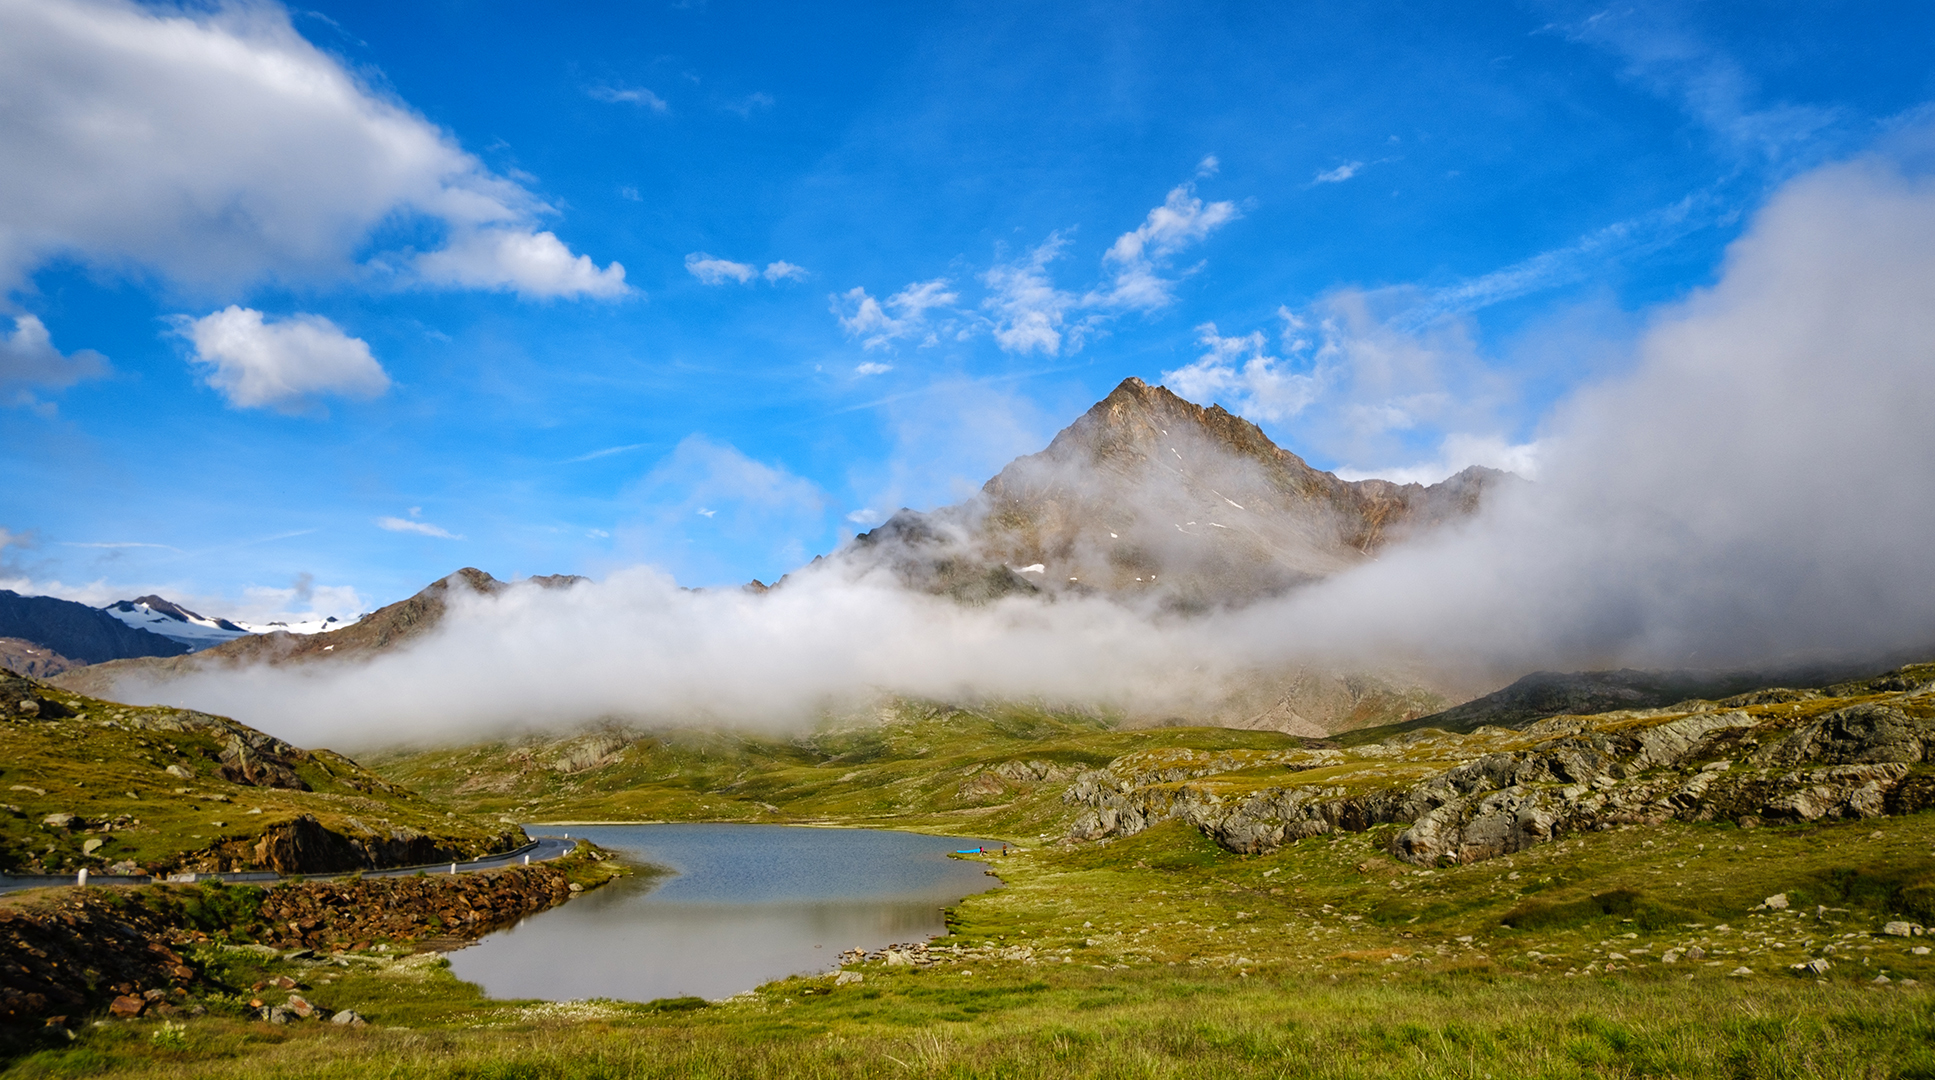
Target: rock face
point(1148, 495)
point(77, 632)
point(1855, 751)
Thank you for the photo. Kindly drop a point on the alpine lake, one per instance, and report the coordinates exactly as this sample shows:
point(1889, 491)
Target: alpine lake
point(741, 906)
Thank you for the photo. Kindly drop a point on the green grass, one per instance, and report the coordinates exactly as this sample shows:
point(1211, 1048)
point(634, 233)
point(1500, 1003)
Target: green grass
point(906, 770)
point(1162, 955)
point(1157, 955)
point(100, 765)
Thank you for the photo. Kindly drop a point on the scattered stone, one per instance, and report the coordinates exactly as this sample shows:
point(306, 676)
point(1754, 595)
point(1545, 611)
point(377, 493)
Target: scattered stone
point(59, 820)
point(848, 978)
point(301, 1007)
point(282, 982)
point(127, 1006)
point(1899, 929)
point(1882, 980)
point(349, 1018)
point(1919, 950)
point(92, 845)
point(1696, 953)
point(1740, 972)
point(1816, 966)
point(1671, 956)
point(1776, 902)
point(178, 772)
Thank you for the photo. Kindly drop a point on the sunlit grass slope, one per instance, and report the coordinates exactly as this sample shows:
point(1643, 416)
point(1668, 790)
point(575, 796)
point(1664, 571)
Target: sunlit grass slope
point(1162, 955)
point(996, 771)
point(88, 783)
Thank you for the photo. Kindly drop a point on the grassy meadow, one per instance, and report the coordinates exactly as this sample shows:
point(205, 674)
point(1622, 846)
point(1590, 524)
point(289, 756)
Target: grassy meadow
point(1641, 951)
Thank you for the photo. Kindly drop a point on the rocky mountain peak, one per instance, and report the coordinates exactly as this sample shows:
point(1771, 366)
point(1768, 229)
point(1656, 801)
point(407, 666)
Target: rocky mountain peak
point(1151, 494)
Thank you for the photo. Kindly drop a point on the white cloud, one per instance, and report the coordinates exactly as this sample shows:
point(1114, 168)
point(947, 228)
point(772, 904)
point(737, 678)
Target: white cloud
point(871, 368)
point(733, 501)
point(532, 264)
point(421, 528)
point(1458, 452)
point(1339, 174)
point(630, 95)
point(255, 363)
point(1361, 382)
point(1029, 311)
point(718, 271)
point(261, 605)
point(1240, 374)
point(866, 318)
point(216, 146)
point(28, 359)
point(745, 106)
point(1207, 167)
point(1140, 256)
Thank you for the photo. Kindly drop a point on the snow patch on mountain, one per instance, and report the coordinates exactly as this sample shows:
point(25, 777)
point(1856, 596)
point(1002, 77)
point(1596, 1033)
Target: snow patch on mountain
point(158, 615)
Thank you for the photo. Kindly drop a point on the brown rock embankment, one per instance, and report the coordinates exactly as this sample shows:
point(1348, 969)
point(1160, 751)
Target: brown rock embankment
point(70, 950)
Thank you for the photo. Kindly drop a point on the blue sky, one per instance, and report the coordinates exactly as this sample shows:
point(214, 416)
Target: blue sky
point(309, 306)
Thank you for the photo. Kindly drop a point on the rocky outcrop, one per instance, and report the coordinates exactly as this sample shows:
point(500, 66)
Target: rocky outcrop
point(1004, 780)
point(83, 951)
point(78, 949)
point(337, 913)
point(1495, 791)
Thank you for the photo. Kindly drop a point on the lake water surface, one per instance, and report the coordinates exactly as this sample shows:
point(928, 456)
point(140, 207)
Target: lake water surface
point(749, 904)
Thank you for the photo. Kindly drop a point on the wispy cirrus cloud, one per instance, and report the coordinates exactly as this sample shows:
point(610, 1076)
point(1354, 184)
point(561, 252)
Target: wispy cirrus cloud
point(1339, 174)
point(413, 524)
point(630, 95)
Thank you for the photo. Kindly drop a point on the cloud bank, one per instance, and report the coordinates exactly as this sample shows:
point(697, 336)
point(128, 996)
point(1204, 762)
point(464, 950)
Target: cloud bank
point(216, 146)
point(1753, 489)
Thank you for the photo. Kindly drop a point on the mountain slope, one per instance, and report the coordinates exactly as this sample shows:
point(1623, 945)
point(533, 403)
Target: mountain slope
point(76, 631)
point(383, 629)
point(1149, 495)
point(170, 620)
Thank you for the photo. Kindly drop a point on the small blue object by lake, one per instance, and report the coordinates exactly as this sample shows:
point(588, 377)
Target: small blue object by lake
point(749, 904)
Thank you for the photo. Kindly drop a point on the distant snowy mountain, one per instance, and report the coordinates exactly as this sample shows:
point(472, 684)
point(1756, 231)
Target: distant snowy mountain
point(160, 616)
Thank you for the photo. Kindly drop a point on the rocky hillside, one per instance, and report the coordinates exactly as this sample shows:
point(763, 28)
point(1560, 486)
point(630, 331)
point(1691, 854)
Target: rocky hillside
point(121, 789)
point(1148, 495)
point(1855, 749)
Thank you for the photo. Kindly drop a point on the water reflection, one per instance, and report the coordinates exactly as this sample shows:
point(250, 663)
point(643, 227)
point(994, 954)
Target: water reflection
point(751, 903)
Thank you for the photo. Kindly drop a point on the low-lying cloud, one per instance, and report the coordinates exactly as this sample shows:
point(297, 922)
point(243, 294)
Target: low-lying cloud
point(1754, 490)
